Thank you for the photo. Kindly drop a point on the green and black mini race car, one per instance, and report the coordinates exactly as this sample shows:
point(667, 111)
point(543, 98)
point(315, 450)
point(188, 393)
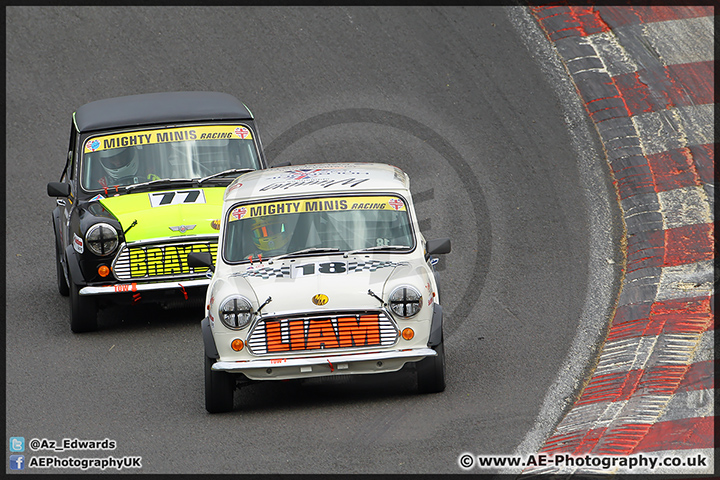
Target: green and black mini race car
point(142, 188)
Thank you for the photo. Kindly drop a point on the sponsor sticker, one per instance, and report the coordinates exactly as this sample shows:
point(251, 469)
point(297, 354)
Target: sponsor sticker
point(317, 205)
point(396, 204)
point(166, 135)
point(92, 145)
point(78, 243)
point(122, 287)
point(320, 299)
point(238, 213)
point(242, 132)
point(303, 173)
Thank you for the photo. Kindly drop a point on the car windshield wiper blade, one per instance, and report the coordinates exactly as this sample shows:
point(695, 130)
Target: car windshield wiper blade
point(303, 251)
point(376, 247)
point(159, 183)
point(226, 172)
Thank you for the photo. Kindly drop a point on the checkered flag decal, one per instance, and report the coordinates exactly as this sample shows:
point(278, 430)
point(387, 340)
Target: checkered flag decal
point(352, 266)
point(267, 272)
point(370, 266)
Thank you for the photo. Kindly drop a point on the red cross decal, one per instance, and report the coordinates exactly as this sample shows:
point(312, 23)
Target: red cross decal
point(242, 132)
point(238, 213)
point(396, 204)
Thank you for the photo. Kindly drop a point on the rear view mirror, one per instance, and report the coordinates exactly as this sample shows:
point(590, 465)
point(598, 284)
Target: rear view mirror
point(199, 260)
point(438, 246)
point(58, 189)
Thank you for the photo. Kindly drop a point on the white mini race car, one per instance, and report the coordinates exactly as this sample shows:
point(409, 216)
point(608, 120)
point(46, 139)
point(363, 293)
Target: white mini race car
point(321, 270)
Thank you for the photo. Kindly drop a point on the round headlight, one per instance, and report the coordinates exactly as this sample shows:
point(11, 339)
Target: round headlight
point(405, 301)
point(101, 239)
point(236, 312)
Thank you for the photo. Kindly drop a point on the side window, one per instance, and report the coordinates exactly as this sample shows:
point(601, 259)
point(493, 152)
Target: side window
point(71, 156)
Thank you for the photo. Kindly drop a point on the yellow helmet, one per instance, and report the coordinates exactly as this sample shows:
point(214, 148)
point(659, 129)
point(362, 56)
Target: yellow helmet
point(269, 233)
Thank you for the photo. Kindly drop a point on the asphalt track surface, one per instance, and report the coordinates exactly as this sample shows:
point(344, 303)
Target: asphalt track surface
point(462, 99)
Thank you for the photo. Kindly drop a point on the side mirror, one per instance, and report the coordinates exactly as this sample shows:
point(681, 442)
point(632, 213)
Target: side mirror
point(438, 246)
point(200, 259)
point(58, 189)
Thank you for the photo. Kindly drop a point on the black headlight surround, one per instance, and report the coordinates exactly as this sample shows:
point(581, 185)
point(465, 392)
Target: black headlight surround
point(102, 239)
point(236, 312)
point(405, 301)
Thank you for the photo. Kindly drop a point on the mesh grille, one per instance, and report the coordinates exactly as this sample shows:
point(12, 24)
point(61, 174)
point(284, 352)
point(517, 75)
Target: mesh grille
point(159, 261)
point(339, 331)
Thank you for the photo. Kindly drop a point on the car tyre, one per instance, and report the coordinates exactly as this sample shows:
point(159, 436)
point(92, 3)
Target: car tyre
point(83, 311)
point(431, 372)
point(62, 283)
point(219, 389)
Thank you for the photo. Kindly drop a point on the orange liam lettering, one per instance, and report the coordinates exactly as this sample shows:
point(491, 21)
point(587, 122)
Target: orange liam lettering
point(297, 335)
point(360, 332)
point(273, 336)
point(321, 334)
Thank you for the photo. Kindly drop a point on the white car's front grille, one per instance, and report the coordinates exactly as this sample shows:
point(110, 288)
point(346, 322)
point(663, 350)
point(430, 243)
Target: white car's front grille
point(332, 331)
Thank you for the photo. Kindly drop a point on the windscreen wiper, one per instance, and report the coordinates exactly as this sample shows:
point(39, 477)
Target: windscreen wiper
point(376, 247)
point(226, 172)
point(162, 182)
point(304, 251)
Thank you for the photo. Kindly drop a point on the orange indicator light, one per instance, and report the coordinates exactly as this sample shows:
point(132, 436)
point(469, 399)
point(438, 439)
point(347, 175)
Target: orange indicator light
point(408, 333)
point(237, 344)
point(103, 271)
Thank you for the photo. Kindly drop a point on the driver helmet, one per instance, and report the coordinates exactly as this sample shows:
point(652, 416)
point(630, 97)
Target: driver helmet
point(269, 233)
point(119, 162)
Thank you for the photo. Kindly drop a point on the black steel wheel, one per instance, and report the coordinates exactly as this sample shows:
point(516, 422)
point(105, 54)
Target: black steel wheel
point(431, 372)
point(62, 283)
point(83, 311)
point(219, 389)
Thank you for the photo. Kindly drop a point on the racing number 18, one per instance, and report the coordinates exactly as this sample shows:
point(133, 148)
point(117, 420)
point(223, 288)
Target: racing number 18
point(328, 267)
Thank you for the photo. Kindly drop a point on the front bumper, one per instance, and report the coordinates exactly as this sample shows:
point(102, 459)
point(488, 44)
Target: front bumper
point(337, 364)
point(143, 287)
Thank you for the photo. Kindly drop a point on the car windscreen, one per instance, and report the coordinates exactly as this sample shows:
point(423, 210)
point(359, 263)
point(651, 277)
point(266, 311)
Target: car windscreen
point(128, 158)
point(345, 223)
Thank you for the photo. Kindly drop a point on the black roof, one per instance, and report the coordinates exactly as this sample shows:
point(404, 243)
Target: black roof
point(154, 108)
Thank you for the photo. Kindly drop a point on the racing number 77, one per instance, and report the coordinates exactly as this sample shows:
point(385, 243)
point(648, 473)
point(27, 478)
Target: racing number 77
point(166, 198)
